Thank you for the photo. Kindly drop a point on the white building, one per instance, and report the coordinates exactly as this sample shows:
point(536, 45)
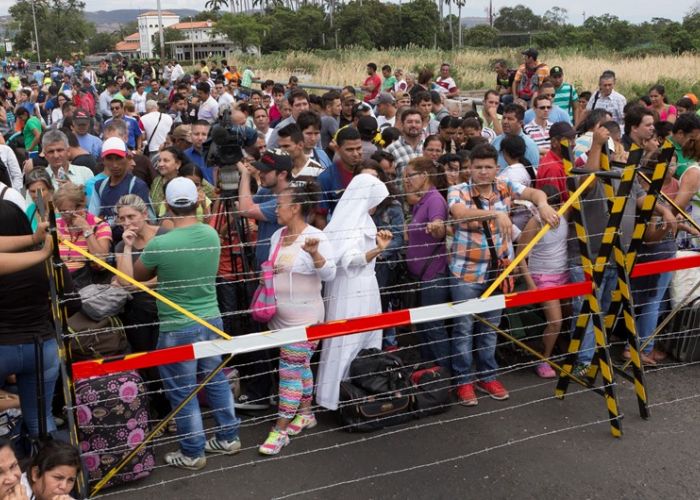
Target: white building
point(148, 26)
point(197, 41)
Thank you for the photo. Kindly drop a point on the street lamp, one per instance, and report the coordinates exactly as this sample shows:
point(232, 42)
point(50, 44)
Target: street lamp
point(36, 33)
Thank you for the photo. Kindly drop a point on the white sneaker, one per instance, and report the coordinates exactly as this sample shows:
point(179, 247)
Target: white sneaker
point(177, 459)
point(217, 446)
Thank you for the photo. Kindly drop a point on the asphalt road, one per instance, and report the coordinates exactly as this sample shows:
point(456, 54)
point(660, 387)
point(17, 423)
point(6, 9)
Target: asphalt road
point(531, 446)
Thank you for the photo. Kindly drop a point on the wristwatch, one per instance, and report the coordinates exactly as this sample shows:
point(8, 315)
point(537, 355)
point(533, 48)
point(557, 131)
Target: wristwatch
point(87, 233)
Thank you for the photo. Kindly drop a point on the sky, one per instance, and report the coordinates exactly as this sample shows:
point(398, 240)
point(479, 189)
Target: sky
point(632, 10)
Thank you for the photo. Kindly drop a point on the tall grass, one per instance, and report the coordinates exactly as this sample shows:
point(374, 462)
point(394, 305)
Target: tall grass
point(472, 68)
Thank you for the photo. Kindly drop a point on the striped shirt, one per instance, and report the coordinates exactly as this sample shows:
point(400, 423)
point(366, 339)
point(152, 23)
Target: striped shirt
point(539, 134)
point(71, 258)
point(566, 98)
point(469, 255)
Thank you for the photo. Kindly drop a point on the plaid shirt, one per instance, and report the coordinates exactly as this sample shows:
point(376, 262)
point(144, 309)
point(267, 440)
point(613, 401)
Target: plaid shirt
point(403, 153)
point(470, 257)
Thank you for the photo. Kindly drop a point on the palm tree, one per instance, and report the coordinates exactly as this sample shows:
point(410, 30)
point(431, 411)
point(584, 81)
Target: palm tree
point(460, 4)
point(215, 5)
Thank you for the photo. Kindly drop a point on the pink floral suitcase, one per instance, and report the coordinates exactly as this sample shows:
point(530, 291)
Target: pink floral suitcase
point(113, 418)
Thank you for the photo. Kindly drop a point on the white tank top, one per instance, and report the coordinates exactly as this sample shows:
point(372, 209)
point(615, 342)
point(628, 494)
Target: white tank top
point(549, 255)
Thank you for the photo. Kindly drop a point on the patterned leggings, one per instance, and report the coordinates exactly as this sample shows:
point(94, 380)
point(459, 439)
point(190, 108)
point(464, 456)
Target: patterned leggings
point(296, 379)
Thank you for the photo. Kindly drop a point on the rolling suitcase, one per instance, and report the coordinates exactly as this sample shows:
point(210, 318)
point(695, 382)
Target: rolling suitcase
point(112, 417)
point(684, 343)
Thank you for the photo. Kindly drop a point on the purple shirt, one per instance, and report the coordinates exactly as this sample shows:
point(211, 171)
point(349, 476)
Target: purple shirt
point(421, 246)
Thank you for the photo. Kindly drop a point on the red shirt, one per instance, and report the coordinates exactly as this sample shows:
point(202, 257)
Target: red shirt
point(377, 87)
point(551, 171)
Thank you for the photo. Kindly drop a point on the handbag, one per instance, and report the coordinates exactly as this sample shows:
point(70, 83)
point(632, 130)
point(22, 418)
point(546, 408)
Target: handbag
point(102, 301)
point(497, 263)
point(90, 339)
point(264, 304)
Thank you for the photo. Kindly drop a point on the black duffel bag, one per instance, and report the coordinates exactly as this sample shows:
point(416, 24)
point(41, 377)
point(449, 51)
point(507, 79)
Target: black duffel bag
point(378, 393)
point(431, 391)
point(360, 411)
point(378, 372)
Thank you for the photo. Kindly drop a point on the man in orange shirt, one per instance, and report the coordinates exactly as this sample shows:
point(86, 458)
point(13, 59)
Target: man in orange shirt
point(529, 76)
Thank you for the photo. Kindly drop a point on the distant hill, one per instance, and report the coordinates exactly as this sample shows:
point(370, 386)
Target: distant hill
point(121, 16)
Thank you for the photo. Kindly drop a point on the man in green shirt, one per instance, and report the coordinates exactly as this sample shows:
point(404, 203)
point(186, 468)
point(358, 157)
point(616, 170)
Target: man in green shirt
point(566, 96)
point(31, 131)
point(247, 78)
point(185, 261)
point(389, 79)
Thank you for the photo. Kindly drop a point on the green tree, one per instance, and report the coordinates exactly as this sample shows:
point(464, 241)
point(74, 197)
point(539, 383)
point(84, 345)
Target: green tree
point(555, 17)
point(612, 32)
point(215, 5)
point(102, 42)
point(481, 36)
point(169, 35)
point(517, 19)
point(677, 38)
point(244, 30)
point(62, 26)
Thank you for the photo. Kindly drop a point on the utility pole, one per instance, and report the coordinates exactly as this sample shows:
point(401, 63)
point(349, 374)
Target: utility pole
point(36, 33)
point(160, 34)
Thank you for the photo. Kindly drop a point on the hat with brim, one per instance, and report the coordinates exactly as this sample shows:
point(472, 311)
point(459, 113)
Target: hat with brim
point(272, 160)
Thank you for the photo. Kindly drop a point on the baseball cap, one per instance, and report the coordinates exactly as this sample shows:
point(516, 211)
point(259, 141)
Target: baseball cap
point(562, 129)
point(556, 71)
point(385, 98)
point(531, 53)
point(181, 192)
point(80, 115)
point(114, 146)
point(182, 132)
point(274, 160)
point(401, 95)
point(367, 125)
point(693, 98)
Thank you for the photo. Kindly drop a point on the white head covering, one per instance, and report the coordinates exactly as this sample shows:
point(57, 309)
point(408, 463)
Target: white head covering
point(351, 222)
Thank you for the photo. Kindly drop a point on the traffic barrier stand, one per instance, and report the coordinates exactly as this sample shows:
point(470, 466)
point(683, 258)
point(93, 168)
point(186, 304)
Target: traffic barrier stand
point(55, 272)
point(590, 309)
point(622, 305)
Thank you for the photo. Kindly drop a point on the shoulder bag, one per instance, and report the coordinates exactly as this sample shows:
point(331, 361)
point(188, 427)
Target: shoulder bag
point(264, 305)
point(497, 264)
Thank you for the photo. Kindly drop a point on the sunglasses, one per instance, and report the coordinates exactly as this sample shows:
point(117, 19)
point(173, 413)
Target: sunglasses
point(115, 108)
point(544, 107)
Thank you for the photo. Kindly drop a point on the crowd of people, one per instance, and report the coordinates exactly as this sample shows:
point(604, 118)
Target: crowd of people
point(341, 195)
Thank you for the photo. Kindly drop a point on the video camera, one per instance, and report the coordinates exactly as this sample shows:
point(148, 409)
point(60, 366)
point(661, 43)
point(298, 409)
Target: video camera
point(226, 150)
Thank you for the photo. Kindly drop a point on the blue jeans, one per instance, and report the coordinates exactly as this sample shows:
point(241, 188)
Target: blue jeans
point(180, 379)
point(19, 359)
point(585, 355)
point(434, 340)
point(646, 310)
point(468, 334)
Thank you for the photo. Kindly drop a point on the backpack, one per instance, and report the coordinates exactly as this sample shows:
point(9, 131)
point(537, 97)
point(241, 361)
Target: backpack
point(529, 82)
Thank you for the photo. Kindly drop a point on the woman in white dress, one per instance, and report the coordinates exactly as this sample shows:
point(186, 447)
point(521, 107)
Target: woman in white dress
point(354, 292)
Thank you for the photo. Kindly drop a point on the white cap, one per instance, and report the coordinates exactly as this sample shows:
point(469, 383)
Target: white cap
point(114, 146)
point(181, 192)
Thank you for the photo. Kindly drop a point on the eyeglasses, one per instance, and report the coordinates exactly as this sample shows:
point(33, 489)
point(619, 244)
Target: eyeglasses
point(544, 107)
point(115, 108)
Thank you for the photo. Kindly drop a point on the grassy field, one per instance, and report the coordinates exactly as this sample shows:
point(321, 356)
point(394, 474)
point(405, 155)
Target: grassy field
point(472, 68)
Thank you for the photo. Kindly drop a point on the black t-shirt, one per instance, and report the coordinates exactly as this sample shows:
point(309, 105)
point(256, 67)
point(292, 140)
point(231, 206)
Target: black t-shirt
point(506, 81)
point(25, 305)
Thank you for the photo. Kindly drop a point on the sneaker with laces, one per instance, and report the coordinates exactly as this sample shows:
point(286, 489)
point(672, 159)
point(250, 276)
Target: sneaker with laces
point(246, 402)
point(301, 422)
point(466, 395)
point(181, 461)
point(276, 440)
point(545, 370)
point(580, 370)
point(494, 389)
point(221, 447)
